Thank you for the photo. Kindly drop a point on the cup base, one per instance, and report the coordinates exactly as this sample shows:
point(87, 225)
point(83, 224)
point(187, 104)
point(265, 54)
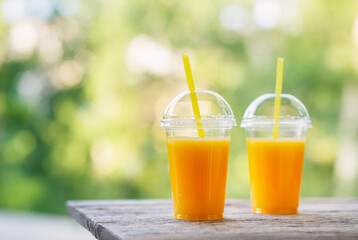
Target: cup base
point(198, 217)
point(274, 211)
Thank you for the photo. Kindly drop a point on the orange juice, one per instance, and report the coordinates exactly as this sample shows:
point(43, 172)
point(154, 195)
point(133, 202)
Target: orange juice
point(275, 174)
point(198, 169)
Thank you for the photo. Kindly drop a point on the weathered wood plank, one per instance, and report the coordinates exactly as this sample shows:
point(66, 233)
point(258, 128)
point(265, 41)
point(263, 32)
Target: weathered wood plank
point(153, 219)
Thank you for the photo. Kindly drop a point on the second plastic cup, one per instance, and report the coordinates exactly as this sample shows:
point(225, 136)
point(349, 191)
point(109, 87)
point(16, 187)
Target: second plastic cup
point(275, 164)
point(198, 165)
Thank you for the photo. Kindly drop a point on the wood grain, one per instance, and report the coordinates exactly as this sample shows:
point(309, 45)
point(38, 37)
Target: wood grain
point(153, 219)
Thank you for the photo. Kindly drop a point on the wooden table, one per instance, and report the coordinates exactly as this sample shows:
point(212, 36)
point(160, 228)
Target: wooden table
point(325, 218)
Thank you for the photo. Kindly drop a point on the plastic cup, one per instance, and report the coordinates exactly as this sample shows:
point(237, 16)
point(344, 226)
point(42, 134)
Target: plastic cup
point(198, 165)
point(275, 164)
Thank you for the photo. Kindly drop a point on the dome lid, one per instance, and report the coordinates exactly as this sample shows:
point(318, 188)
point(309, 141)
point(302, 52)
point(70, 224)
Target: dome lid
point(214, 110)
point(261, 112)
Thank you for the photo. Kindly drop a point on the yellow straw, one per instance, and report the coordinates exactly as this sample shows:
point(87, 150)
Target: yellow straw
point(193, 98)
point(279, 75)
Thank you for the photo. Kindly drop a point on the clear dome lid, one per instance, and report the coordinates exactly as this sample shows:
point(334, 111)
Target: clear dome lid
point(261, 112)
point(214, 110)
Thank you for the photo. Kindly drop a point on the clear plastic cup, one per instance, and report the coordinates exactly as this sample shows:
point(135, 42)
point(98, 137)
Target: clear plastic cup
point(198, 165)
point(275, 164)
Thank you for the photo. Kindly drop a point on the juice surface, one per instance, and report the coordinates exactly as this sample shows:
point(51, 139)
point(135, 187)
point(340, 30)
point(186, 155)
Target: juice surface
point(275, 174)
point(198, 170)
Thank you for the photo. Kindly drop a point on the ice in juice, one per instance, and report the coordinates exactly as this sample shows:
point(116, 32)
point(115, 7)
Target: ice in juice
point(198, 170)
point(275, 174)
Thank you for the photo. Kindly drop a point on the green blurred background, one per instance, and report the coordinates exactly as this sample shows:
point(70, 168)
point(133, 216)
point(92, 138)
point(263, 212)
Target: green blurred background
point(83, 85)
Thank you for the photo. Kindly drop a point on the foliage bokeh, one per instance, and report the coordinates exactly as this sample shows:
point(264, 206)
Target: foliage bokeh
point(84, 85)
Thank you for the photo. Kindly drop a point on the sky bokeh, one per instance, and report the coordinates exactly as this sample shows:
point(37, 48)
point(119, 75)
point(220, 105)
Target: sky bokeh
point(84, 84)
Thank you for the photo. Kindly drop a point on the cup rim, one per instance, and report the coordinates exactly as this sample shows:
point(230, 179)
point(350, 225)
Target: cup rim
point(184, 123)
point(247, 123)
